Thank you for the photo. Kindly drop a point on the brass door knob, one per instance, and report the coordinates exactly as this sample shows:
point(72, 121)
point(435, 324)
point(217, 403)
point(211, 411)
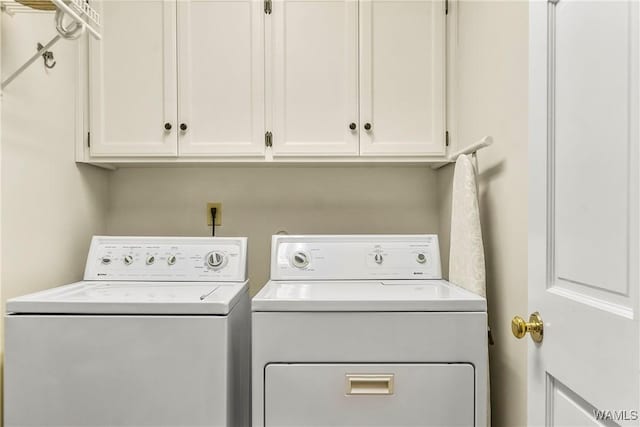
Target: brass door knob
point(534, 327)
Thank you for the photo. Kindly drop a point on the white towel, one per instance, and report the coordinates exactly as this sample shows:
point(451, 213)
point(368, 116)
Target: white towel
point(466, 254)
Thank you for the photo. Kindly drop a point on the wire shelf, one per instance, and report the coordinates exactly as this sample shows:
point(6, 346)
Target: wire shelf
point(12, 7)
point(79, 10)
point(87, 10)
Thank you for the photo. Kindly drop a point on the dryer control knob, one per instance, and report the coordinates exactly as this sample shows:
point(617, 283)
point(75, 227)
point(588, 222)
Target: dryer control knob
point(105, 260)
point(171, 260)
point(378, 258)
point(421, 258)
point(300, 259)
point(215, 259)
point(128, 260)
point(151, 259)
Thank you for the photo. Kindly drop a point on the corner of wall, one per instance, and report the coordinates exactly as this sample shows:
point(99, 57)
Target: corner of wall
point(46, 199)
point(444, 185)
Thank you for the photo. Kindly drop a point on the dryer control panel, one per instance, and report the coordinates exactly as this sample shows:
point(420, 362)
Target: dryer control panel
point(356, 257)
point(189, 259)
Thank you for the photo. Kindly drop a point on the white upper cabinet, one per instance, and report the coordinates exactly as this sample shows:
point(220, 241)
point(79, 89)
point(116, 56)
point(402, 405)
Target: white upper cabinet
point(402, 77)
point(221, 77)
point(133, 80)
point(312, 77)
point(259, 80)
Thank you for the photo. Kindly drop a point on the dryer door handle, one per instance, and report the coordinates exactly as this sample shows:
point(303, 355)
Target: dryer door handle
point(369, 384)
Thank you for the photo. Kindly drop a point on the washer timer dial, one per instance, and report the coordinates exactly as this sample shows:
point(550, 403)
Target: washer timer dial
point(300, 259)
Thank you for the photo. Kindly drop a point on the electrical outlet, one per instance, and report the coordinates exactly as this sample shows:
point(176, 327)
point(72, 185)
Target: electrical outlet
point(218, 206)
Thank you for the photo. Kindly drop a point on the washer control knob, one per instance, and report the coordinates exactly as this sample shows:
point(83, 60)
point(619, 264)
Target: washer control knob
point(171, 260)
point(378, 258)
point(151, 259)
point(128, 260)
point(105, 260)
point(421, 258)
point(300, 259)
point(215, 259)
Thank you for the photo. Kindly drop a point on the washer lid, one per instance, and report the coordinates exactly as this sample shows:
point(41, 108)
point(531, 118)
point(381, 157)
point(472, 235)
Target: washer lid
point(132, 298)
point(391, 295)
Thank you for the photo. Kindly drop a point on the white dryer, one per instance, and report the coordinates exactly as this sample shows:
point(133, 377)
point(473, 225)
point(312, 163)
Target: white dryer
point(157, 334)
point(362, 331)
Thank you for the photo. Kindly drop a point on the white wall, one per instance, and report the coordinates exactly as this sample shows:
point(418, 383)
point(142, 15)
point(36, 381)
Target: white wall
point(50, 205)
point(492, 100)
point(260, 201)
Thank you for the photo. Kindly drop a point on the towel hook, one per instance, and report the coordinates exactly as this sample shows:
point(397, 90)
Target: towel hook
point(47, 56)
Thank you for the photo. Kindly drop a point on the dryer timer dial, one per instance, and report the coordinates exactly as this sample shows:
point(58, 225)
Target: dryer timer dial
point(215, 260)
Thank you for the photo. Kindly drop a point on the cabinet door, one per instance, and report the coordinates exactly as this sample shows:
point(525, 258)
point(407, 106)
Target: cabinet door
point(402, 77)
point(133, 80)
point(221, 77)
point(314, 77)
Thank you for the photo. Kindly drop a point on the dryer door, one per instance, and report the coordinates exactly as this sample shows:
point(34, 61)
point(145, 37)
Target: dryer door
point(403, 395)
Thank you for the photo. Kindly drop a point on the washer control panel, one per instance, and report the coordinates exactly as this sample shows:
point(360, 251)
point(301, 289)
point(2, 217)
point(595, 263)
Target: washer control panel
point(357, 257)
point(188, 259)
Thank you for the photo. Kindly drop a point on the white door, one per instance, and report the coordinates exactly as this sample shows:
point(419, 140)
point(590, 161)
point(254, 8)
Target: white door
point(402, 77)
point(313, 77)
point(221, 77)
point(133, 80)
point(583, 212)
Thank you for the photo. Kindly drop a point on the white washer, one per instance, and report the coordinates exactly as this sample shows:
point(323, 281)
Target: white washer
point(362, 331)
point(157, 334)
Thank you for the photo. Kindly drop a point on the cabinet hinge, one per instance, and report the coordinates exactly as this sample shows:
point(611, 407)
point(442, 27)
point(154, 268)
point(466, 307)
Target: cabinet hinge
point(446, 138)
point(267, 7)
point(88, 139)
point(446, 7)
point(268, 139)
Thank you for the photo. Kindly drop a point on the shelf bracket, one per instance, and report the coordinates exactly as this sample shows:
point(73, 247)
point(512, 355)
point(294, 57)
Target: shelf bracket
point(85, 15)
